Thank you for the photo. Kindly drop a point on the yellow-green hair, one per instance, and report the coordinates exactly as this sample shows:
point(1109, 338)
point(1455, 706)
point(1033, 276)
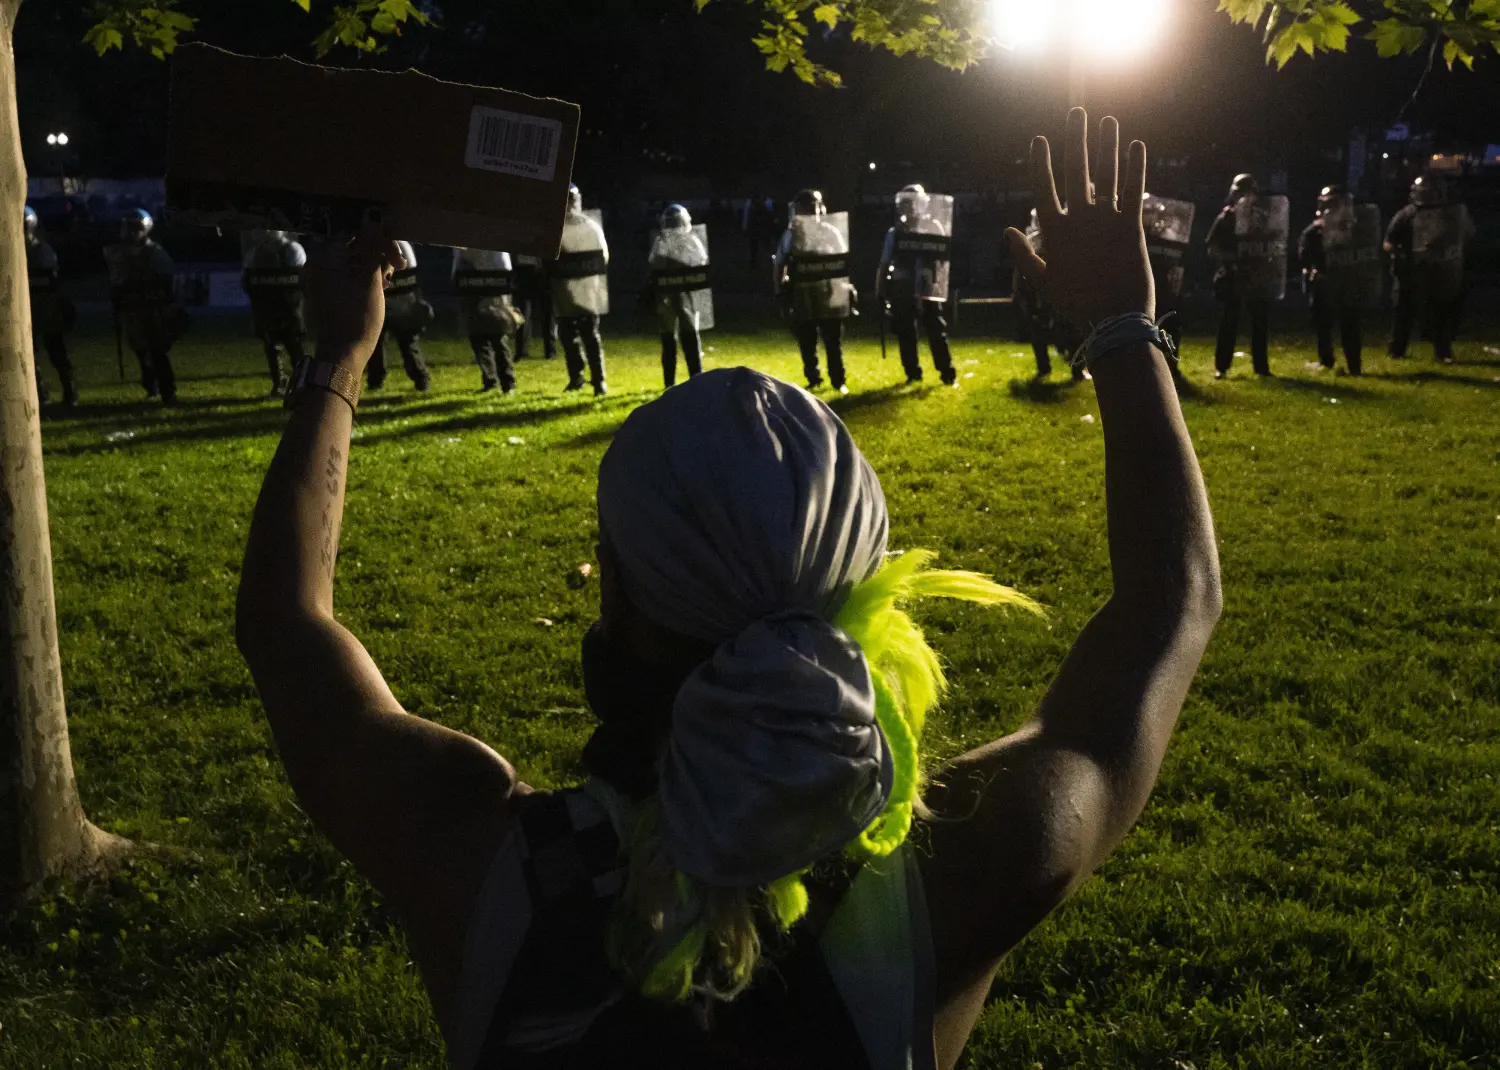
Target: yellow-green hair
point(676, 937)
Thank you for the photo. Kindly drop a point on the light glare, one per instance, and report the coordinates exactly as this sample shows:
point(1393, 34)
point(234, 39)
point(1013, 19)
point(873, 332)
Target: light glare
point(52, 139)
point(1104, 29)
point(62, 139)
point(1023, 25)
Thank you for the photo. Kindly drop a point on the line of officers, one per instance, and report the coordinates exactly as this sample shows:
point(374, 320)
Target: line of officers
point(505, 301)
point(1342, 254)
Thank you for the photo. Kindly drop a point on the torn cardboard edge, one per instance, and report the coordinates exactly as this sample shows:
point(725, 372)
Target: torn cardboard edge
point(286, 145)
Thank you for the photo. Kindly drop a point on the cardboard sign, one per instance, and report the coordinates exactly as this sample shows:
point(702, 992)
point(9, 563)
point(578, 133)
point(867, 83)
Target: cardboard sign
point(284, 145)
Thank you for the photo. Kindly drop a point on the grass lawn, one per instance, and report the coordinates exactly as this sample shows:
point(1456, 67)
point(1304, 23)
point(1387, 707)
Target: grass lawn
point(1316, 882)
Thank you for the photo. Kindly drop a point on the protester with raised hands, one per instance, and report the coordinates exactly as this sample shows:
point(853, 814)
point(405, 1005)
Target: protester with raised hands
point(736, 883)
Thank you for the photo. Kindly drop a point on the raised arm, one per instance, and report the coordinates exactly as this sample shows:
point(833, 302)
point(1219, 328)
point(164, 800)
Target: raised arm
point(1025, 819)
point(417, 808)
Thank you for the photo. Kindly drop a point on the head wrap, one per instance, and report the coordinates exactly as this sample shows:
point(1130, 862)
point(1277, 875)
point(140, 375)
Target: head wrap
point(741, 513)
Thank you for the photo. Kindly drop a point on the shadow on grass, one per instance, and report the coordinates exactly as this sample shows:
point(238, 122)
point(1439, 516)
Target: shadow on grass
point(1441, 377)
point(1343, 389)
point(198, 422)
point(1043, 391)
point(867, 400)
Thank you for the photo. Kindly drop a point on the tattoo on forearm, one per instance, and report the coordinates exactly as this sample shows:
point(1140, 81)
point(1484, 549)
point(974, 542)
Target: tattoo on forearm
point(330, 521)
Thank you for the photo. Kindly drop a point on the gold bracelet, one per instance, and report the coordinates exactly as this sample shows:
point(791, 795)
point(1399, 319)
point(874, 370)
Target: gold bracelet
point(325, 375)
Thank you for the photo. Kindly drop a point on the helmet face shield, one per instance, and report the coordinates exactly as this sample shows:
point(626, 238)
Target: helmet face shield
point(136, 225)
point(912, 204)
point(1242, 185)
point(676, 217)
point(1427, 190)
point(1332, 198)
point(809, 202)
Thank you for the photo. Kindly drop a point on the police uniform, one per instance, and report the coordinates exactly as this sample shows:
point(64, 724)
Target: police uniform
point(1244, 278)
point(580, 293)
point(813, 286)
point(51, 312)
point(141, 286)
point(407, 314)
point(1426, 241)
point(273, 281)
point(1040, 325)
point(913, 279)
point(484, 281)
point(534, 297)
point(680, 290)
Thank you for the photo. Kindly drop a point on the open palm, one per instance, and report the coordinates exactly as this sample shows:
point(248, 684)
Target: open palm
point(1096, 264)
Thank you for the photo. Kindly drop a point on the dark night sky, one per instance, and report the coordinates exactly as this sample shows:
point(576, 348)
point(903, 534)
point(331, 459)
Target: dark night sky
point(651, 75)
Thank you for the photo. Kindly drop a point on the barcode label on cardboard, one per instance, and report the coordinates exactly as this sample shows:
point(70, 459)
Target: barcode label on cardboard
point(514, 144)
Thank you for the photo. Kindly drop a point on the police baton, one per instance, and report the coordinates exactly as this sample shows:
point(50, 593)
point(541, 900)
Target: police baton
point(885, 310)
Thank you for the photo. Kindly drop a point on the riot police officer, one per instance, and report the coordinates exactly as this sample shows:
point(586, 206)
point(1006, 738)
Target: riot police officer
point(1042, 326)
point(273, 280)
point(144, 302)
point(912, 280)
point(1248, 239)
point(407, 314)
point(51, 311)
point(811, 279)
point(1339, 252)
point(484, 282)
point(1426, 242)
point(534, 299)
point(680, 290)
point(580, 293)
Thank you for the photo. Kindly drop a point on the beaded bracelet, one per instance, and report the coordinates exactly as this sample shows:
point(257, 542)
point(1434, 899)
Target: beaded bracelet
point(1116, 331)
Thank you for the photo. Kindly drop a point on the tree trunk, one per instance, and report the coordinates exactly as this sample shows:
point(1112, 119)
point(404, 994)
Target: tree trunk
point(43, 832)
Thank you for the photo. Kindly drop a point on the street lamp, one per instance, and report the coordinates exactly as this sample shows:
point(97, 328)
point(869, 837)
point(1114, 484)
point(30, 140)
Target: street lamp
point(1092, 31)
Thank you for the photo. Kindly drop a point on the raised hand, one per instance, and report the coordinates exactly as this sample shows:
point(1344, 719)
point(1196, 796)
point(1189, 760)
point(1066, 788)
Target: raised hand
point(1096, 264)
point(345, 281)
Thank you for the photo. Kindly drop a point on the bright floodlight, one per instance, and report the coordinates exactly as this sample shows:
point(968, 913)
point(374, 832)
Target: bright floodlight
point(52, 139)
point(872, 165)
point(1110, 28)
point(1023, 25)
point(62, 139)
point(1104, 29)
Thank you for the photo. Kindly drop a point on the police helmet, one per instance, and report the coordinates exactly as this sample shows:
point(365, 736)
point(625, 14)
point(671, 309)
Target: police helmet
point(676, 217)
point(31, 219)
point(1242, 184)
point(1426, 190)
point(137, 221)
point(809, 202)
point(1330, 196)
point(913, 200)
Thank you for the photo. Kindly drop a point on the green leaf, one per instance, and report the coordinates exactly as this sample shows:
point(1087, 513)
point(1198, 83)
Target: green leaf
point(827, 14)
point(1393, 37)
point(102, 38)
point(1244, 11)
point(305, 5)
point(1452, 50)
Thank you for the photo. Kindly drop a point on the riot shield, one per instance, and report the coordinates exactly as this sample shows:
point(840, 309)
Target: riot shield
point(818, 267)
point(920, 247)
point(580, 274)
point(1352, 238)
point(1437, 245)
point(680, 279)
point(1262, 224)
point(484, 282)
point(406, 310)
point(1169, 228)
